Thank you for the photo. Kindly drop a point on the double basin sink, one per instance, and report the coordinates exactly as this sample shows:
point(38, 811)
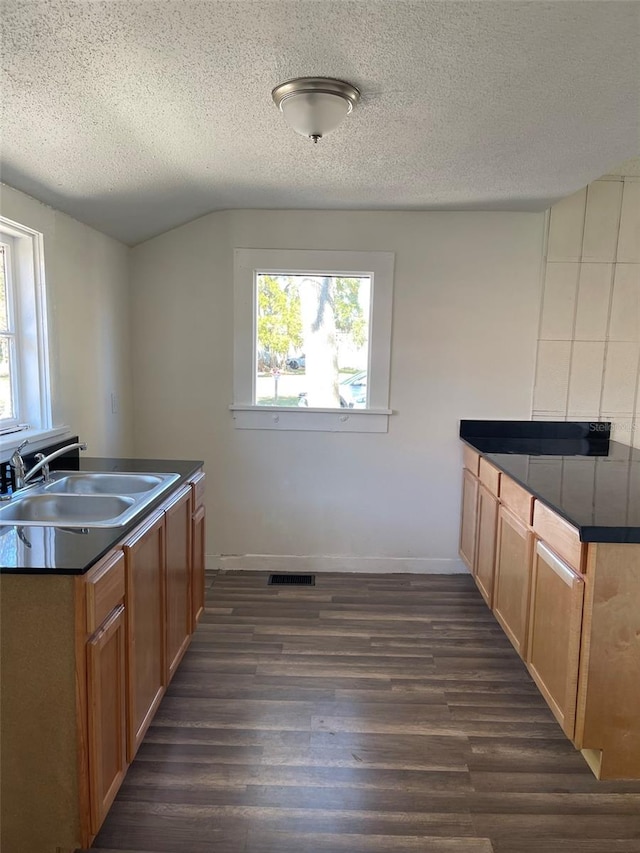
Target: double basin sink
point(85, 499)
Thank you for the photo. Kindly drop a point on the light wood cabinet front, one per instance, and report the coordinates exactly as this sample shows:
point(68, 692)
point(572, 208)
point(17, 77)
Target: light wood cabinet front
point(469, 518)
point(178, 578)
point(144, 555)
point(570, 609)
point(553, 649)
point(106, 689)
point(197, 565)
point(197, 548)
point(513, 578)
point(486, 543)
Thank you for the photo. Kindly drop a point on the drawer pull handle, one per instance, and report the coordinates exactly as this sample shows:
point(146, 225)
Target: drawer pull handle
point(561, 569)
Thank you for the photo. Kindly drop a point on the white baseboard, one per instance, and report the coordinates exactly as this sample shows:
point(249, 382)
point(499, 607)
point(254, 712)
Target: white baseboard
point(367, 565)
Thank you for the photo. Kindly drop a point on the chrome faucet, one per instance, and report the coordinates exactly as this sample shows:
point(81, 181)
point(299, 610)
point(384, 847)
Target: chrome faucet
point(42, 463)
point(17, 463)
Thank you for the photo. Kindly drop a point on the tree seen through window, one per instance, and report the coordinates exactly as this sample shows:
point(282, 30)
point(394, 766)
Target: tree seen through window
point(312, 340)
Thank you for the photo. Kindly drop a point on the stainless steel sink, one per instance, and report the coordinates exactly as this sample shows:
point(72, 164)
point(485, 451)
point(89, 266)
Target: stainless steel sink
point(85, 499)
point(97, 483)
point(66, 510)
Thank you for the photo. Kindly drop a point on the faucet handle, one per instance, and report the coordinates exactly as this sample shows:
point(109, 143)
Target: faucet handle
point(46, 476)
point(16, 459)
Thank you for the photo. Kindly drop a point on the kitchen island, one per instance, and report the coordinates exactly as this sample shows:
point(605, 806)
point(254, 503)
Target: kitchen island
point(94, 623)
point(551, 533)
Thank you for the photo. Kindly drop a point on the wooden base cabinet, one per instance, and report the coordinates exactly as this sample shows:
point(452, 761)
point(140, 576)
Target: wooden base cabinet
point(513, 578)
point(106, 691)
point(98, 649)
point(145, 564)
point(469, 519)
point(197, 547)
point(178, 578)
point(555, 632)
point(486, 543)
point(570, 609)
point(608, 715)
point(198, 564)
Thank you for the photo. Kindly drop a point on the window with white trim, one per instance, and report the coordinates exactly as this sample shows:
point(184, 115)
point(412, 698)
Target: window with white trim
point(312, 339)
point(25, 402)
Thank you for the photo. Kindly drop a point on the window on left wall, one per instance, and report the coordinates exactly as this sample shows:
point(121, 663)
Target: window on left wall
point(25, 399)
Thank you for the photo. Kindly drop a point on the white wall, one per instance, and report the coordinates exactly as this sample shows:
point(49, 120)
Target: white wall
point(589, 348)
point(87, 281)
point(466, 310)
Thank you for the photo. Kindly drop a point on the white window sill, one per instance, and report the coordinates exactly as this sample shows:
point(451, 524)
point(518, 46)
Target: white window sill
point(304, 418)
point(38, 438)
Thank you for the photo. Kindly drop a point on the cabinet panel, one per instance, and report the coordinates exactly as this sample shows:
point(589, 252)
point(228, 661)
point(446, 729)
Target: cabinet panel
point(104, 589)
point(561, 536)
point(553, 650)
point(519, 501)
point(471, 460)
point(198, 484)
point(144, 560)
point(106, 686)
point(489, 476)
point(469, 518)
point(178, 580)
point(198, 565)
point(607, 719)
point(513, 578)
point(486, 543)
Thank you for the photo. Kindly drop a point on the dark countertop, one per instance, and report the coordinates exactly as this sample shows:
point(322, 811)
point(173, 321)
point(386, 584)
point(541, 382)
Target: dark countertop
point(58, 551)
point(594, 485)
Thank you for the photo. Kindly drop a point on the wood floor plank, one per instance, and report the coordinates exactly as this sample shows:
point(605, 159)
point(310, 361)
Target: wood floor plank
point(367, 714)
point(283, 842)
point(527, 844)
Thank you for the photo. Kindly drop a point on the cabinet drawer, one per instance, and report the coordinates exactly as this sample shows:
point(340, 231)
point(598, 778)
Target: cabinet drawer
point(471, 460)
point(104, 586)
point(489, 477)
point(198, 486)
point(559, 535)
point(519, 500)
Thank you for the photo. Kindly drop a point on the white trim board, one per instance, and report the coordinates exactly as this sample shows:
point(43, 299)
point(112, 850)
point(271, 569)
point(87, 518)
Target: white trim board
point(362, 565)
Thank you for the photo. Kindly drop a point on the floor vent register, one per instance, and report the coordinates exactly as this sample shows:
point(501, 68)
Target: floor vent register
point(292, 580)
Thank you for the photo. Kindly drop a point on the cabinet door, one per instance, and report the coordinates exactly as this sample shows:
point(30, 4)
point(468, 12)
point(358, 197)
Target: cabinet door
point(197, 565)
point(486, 543)
point(512, 581)
point(144, 556)
point(553, 650)
point(106, 688)
point(469, 518)
point(178, 577)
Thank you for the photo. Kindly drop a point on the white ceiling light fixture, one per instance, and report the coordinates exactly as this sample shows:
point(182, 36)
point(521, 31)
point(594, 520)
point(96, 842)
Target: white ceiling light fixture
point(314, 106)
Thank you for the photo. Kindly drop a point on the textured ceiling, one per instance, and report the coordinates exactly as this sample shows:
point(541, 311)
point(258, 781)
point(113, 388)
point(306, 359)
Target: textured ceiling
point(137, 115)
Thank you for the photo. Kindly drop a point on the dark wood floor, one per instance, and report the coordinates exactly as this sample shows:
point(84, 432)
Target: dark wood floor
point(367, 714)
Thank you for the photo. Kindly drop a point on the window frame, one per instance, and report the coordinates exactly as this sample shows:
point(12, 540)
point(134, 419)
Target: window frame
point(32, 400)
point(12, 333)
point(248, 263)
